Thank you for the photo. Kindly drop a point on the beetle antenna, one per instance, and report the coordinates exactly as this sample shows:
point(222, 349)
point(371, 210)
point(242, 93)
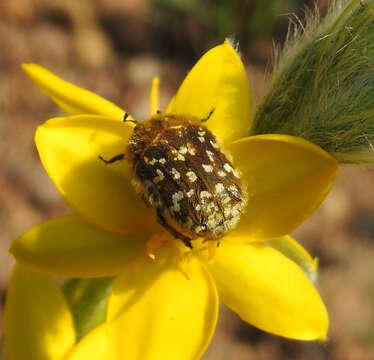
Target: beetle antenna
point(209, 115)
point(125, 118)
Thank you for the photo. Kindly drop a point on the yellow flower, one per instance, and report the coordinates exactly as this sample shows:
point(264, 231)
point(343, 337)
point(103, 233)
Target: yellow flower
point(39, 325)
point(154, 310)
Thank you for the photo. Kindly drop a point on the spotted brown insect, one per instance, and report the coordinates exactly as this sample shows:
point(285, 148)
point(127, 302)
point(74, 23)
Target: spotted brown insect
point(180, 170)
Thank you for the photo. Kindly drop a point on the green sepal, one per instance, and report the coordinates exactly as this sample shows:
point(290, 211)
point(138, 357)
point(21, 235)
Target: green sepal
point(88, 300)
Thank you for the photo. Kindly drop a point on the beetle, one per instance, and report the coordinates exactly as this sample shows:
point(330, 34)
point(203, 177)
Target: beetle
point(181, 172)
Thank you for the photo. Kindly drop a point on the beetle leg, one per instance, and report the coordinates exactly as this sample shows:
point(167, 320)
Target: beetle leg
point(172, 231)
point(113, 159)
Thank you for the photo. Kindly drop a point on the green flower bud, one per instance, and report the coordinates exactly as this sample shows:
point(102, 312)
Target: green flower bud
point(322, 88)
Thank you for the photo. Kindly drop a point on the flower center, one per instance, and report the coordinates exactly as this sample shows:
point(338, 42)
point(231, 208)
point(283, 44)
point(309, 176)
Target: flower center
point(161, 246)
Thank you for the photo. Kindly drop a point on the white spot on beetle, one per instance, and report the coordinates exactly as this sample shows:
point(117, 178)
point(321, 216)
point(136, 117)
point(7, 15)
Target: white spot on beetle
point(199, 229)
point(183, 150)
point(233, 189)
point(208, 168)
point(176, 197)
point(191, 176)
point(175, 173)
point(219, 188)
point(210, 155)
point(236, 174)
point(160, 176)
point(213, 144)
point(191, 149)
point(190, 192)
point(228, 167)
point(179, 157)
point(205, 194)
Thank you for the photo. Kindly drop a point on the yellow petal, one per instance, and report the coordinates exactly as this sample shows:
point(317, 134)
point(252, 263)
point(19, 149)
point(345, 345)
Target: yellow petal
point(286, 179)
point(38, 324)
point(269, 291)
point(69, 148)
point(69, 97)
point(155, 96)
point(155, 312)
point(94, 346)
point(70, 247)
point(295, 252)
point(218, 81)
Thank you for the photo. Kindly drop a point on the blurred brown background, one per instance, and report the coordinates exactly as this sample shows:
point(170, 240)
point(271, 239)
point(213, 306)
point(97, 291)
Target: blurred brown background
point(115, 47)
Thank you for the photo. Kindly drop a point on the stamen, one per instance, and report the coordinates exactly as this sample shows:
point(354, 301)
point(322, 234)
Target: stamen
point(210, 247)
point(181, 258)
point(154, 96)
point(155, 242)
